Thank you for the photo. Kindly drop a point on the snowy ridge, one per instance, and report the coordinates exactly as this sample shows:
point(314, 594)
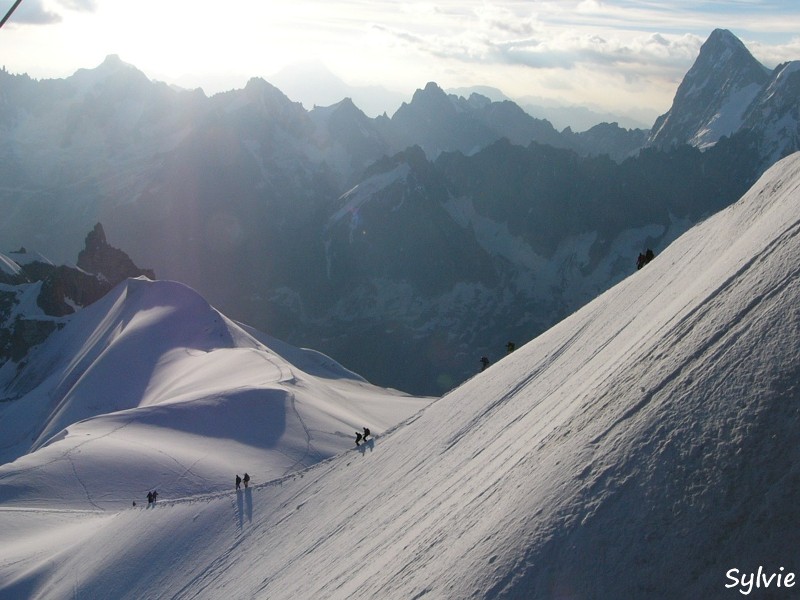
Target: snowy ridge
point(8, 266)
point(152, 387)
point(25, 258)
point(355, 198)
point(641, 448)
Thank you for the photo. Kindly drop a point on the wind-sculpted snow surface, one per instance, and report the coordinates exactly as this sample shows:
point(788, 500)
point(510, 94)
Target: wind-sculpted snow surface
point(645, 447)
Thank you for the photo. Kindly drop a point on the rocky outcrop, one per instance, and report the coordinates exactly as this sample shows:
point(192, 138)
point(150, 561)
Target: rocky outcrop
point(61, 291)
point(23, 334)
point(64, 289)
point(102, 259)
point(100, 268)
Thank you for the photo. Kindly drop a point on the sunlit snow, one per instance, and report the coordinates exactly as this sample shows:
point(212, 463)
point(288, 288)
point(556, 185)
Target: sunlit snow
point(642, 448)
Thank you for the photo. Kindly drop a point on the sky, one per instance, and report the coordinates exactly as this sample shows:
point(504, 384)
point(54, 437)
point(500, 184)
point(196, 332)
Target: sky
point(626, 56)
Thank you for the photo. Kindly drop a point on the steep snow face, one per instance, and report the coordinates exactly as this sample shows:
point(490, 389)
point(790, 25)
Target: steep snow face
point(26, 258)
point(8, 266)
point(728, 119)
point(775, 112)
point(355, 198)
point(644, 447)
point(152, 387)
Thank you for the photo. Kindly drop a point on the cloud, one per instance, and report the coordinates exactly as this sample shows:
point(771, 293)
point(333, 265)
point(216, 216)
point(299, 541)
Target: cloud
point(501, 44)
point(80, 5)
point(773, 55)
point(548, 35)
point(33, 12)
point(503, 20)
point(402, 36)
point(532, 53)
point(590, 6)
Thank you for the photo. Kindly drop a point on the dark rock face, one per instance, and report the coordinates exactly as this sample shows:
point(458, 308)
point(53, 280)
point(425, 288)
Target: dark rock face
point(102, 259)
point(65, 288)
point(23, 334)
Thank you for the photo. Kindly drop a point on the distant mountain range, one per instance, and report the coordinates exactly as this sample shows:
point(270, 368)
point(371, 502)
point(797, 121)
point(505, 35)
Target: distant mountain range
point(575, 118)
point(404, 246)
point(313, 84)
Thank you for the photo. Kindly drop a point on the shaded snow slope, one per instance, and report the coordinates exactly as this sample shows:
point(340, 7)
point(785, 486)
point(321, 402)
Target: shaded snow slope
point(8, 266)
point(641, 448)
point(151, 387)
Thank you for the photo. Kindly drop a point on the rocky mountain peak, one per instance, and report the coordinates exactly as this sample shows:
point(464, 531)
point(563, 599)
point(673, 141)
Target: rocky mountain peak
point(112, 71)
point(721, 40)
point(96, 238)
point(714, 96)
point(347, 109)
point(724, 58)
point(431, 99)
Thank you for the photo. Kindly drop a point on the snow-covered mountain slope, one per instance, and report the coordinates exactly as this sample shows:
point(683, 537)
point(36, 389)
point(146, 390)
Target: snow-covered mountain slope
point(645, 447)
point(151, 387)
point(775, 114)
point(8, 266)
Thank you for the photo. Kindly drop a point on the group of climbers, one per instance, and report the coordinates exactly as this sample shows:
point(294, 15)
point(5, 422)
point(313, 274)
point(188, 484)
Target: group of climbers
point(239, 480)
point(362, 436)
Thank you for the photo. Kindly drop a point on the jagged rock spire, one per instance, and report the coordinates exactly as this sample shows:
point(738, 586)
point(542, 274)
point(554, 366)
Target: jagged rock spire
point(99, 258)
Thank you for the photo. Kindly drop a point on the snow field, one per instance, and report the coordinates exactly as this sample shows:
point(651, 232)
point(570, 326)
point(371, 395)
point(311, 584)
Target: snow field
point(639, 449)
